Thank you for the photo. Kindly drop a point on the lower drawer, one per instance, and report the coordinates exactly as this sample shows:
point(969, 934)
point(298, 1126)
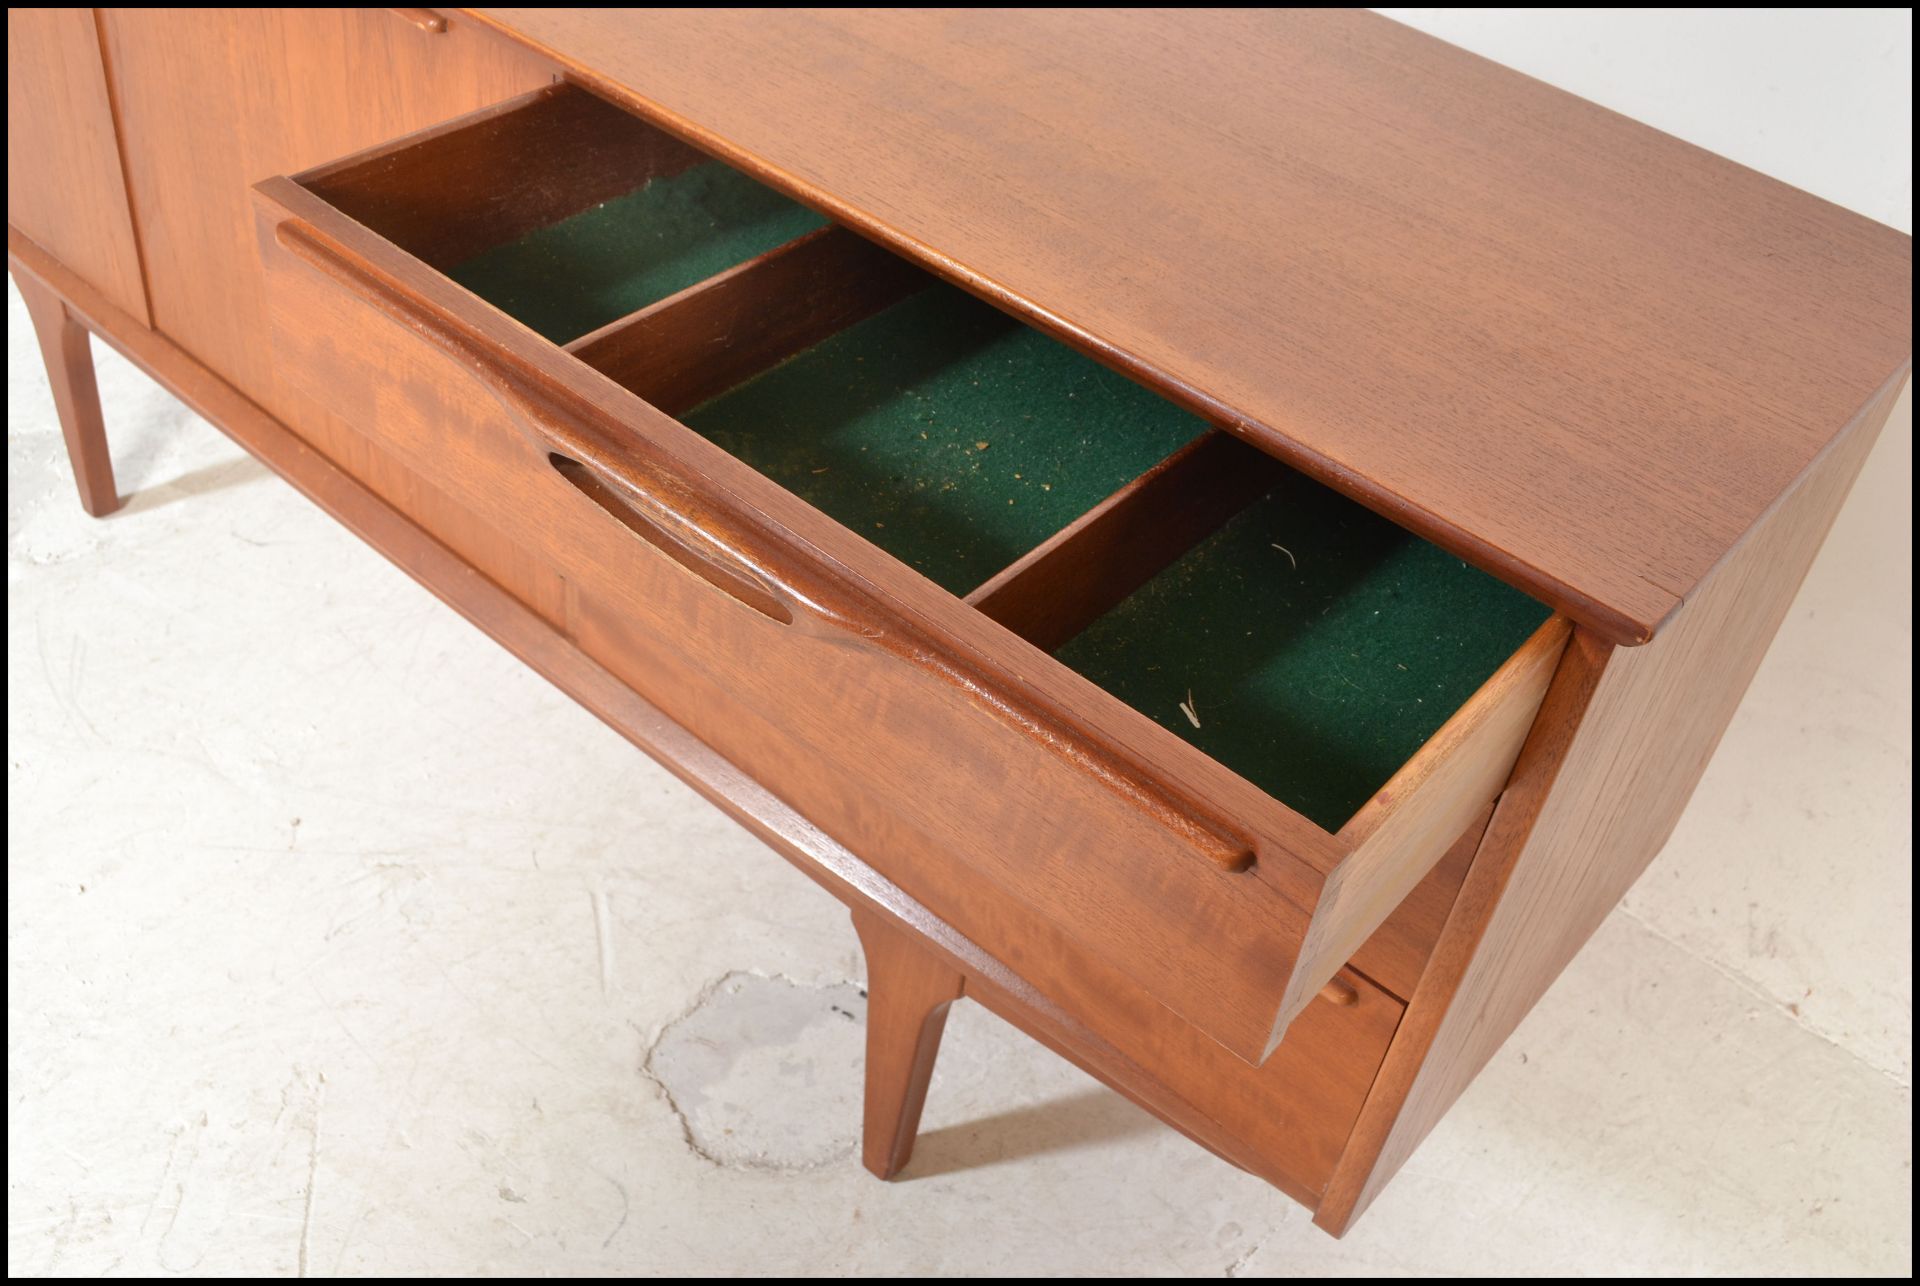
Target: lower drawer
point(1047, 761)
point(1287, 1120)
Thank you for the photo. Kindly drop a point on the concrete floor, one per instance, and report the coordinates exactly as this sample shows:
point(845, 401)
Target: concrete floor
point(340, 943)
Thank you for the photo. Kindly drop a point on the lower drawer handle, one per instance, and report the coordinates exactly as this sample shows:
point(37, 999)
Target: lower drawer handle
point(737, 582)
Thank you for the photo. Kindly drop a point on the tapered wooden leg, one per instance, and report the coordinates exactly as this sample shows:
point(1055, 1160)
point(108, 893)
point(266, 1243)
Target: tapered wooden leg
point(908, 992)
point(64, 348)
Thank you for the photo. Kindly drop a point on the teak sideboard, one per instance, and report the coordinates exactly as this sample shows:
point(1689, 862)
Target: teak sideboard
point(1226, 538)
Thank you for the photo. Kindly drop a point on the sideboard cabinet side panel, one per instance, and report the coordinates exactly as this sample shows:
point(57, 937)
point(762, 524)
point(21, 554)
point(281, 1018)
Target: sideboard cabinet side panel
point(1585, 813)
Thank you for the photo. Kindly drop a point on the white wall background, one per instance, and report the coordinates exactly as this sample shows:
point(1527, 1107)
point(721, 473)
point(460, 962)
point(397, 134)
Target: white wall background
point(1822, 99)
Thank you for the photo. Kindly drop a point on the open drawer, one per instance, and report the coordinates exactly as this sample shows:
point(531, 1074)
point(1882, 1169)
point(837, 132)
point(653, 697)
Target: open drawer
point(1028, 637)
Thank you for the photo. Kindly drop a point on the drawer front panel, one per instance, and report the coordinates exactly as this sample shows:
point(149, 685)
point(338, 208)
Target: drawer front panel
point(918, 730)
point(856, 721)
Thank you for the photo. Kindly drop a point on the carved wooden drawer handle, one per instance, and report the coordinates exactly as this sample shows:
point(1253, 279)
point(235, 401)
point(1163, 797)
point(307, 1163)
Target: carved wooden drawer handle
point(661, 531)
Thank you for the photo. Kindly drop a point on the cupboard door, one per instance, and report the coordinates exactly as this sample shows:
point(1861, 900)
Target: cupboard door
point(65, 189)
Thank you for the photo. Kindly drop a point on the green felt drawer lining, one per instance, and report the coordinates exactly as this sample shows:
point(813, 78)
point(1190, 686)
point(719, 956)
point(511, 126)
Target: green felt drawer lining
point(1318, 645)
point(583, 272)
point(947, 433)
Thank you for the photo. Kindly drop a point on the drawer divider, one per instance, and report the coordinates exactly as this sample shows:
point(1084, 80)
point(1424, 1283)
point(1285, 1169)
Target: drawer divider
point(1085, 569)
point(717, 333)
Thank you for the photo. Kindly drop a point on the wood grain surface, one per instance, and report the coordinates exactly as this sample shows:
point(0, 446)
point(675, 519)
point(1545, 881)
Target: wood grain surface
point(1620, 744)
point(909, 990)
point(1439, 793)
point(65, 187)
point(211, 100)
point(1397, 954)
point(499, 173)
point(214, 100)
point(1580, 353)
point(67, 351)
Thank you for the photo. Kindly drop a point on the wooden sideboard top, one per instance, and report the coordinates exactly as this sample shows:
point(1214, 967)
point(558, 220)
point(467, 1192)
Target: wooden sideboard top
point(1574, 350)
